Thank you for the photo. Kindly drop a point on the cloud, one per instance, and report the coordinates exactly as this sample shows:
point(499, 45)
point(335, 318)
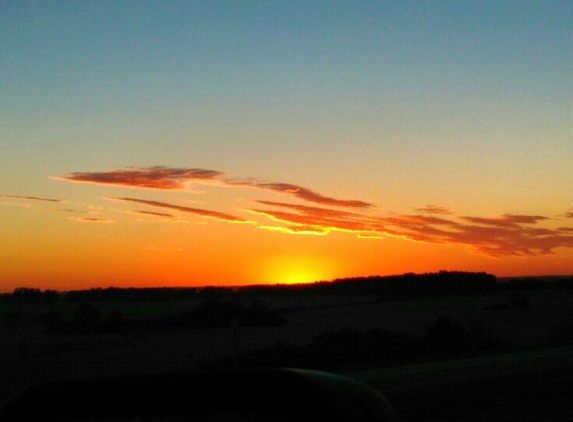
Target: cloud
point(164, 178)
point(507, 234)
point(317, 211)
point(318, 218)
point(309, 195)
point(504, 235)
point(507, 220)
point(32, 198)
point(158, 177)
point(499, 236)
point(156, 214)
point(90, 220)
point(297, 230)
point(202, 212)
point(370, 236)
point(432, 209)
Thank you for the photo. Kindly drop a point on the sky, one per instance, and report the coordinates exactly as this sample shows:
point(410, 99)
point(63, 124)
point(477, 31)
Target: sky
point(227, 143)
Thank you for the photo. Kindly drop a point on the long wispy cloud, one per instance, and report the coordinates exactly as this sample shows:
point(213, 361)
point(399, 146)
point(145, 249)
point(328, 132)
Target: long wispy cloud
point(154, 214)
point(433, 209)
point(158, 177)
point(164, 178)
point(32, 198)
point(198, 211)
point(307, 194)
point(500, 236)
point(91, 219)
point(503, 235)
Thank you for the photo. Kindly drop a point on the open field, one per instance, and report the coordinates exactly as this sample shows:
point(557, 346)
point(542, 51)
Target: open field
point(30, 353)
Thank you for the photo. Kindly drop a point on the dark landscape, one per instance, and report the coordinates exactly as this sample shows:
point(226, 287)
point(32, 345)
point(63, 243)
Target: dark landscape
point(439, 346)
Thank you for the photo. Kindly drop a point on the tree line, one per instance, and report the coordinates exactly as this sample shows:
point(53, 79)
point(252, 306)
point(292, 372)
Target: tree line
point(394, 287)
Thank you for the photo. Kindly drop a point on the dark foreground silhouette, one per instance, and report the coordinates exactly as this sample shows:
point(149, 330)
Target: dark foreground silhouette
point(443, 346)
point(271, 395)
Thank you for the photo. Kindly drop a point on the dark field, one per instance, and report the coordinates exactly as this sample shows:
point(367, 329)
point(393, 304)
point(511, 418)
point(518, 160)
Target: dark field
point(520, 368)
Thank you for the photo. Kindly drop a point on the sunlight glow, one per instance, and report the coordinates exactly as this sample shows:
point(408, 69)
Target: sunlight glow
point(296, 269)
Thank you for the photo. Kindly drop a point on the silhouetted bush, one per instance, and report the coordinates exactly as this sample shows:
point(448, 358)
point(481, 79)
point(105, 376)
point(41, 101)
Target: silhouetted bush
point(374, 347)
point(25, 295)
point(130, 294)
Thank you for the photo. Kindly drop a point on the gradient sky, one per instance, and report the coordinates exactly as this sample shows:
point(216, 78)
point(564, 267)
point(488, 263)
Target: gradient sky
point(193, 143)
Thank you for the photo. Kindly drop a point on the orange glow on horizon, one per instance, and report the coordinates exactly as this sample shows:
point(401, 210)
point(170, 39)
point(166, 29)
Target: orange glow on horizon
point(296, 270)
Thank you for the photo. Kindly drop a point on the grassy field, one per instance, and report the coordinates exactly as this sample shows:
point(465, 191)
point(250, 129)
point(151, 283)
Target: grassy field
point(31, 353)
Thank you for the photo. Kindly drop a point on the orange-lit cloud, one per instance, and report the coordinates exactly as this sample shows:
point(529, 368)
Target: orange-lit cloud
point(508, 234)
point(155, 214)
point(91, 220)
point(308, 195)
point(507, 220)
point(198, 211)
point(158, 177)
point(320, 219)
point(32, 198)
point(297, 230)
point(505, 235)
point(165, 178)
point(432, 209)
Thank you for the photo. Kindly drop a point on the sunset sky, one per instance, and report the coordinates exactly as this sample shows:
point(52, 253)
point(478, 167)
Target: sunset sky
point(194, 143)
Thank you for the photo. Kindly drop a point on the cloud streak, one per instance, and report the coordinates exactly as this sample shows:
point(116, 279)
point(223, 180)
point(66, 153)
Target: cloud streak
point(308, 195)
point(432, 209)
point(91, 220)
point(32, 198)
point(158, 177)
point(164, 178)
point(198, 211)
point(154, 214)
point(504, 235)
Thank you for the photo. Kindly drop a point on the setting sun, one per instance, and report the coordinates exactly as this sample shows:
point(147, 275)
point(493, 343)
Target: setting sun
point(297, 269)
